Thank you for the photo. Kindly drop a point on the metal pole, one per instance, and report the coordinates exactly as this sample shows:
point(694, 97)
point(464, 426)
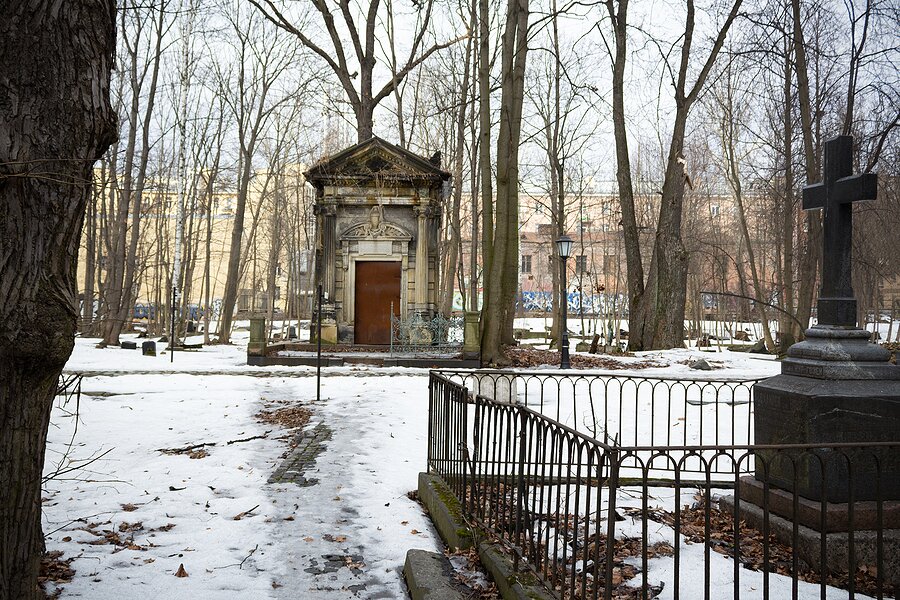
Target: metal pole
point(172, 328)
point(564, 344)
point(319, 347)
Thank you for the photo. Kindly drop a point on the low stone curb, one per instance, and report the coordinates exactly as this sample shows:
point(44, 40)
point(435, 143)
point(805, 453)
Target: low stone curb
point(446, 513)
point(429, 576)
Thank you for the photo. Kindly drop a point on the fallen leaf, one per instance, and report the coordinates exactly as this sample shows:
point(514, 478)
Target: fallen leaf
point(181, 572)
point(307, 539)
point(415, 531)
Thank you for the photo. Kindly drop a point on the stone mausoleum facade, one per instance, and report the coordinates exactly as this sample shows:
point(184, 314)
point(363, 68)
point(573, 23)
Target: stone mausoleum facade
point(378, 216)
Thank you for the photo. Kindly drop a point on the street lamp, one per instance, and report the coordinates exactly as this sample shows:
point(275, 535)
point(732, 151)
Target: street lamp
point(564, 248)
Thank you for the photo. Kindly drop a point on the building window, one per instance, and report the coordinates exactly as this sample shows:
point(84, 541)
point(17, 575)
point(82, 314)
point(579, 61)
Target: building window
point(581, 264)
point(714, 210)
point(526, 263)
point(584, 226)
point(609, 264)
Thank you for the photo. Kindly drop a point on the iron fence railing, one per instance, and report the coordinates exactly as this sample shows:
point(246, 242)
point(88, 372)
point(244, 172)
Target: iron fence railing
point(596, 520)
point(418, 334)
point(627, 410)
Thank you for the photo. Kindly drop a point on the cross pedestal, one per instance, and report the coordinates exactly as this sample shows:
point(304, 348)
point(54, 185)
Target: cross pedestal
point(835, 387)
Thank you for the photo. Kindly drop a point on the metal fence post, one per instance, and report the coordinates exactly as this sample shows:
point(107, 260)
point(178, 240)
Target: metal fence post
point(520, 480)
point(611, 524)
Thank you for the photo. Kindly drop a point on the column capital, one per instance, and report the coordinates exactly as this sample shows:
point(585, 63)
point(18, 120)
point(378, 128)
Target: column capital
point(425, 211)
point(326, 210)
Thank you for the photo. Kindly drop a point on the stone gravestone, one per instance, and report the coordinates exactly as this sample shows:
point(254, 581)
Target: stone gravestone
point(257, 343)
point(148, 348)
point(834, 387)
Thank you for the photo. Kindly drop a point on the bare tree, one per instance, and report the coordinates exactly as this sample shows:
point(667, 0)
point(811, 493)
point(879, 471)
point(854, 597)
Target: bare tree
point(142, 32)
point(364, 98)
point(731, 115)
point(657, 312)
point(501, 284)
point(248, 88)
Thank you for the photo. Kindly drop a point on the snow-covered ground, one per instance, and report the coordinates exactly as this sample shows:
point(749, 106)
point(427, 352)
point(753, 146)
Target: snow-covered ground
point(345, 537)
point(133, 516)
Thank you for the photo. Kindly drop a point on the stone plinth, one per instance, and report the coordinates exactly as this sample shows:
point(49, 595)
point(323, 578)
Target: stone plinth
point(835, 387)
point(471, 337)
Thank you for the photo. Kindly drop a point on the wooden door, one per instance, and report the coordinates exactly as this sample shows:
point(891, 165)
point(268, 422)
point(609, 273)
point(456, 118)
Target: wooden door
point(377, 287)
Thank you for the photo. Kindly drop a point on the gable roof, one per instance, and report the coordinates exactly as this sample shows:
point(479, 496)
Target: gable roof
point(372, 158)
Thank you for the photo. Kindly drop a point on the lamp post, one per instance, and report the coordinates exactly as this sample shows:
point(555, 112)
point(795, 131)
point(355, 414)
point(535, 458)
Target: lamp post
point(564, 249)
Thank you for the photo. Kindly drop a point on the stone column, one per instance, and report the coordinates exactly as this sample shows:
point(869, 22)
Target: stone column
point(421, 298)
point(329, 248)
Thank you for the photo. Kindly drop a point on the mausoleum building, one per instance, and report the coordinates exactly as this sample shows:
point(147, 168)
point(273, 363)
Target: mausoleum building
point(378, 216)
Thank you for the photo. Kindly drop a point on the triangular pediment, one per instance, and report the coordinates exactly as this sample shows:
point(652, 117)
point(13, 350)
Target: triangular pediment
point(375, 160)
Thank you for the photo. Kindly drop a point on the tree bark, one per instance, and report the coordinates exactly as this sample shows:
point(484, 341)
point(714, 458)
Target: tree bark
point(635, 268)
point(787, 327)
point(453, 249)
point(811, 253)
point(501, 284)
point(54, 77)
point(484, 144)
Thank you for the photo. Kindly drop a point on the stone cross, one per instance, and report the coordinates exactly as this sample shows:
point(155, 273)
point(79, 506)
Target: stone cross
point(835, 195)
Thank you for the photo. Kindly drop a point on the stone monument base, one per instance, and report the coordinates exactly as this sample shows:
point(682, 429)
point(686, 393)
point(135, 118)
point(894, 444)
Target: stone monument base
point(835, 388)
point(808, 543)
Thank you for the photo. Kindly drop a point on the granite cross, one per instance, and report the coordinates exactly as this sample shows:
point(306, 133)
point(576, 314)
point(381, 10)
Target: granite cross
point(836, 195)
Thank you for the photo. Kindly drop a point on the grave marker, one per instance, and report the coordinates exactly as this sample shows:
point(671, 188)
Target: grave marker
point(834, 387)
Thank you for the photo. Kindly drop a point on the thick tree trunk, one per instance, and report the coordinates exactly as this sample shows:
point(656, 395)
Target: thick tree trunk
point(501, 283)
point(54, 77)
point(661, 310)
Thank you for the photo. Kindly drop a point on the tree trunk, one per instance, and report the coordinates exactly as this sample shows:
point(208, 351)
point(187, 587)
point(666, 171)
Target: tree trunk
point(501, 283)
point(57, 66)
point(811, 253)
point(635, 267)
point(459, 154)
point(484, 145)
point(87, 307)
point(787, 326)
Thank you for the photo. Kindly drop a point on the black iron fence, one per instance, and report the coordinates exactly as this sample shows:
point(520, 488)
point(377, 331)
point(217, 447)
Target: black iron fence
point(627, 410)
point(417, 334)
point(593, 519)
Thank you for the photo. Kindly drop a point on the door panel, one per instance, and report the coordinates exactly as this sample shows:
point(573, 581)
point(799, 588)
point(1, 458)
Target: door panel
point(377, 286)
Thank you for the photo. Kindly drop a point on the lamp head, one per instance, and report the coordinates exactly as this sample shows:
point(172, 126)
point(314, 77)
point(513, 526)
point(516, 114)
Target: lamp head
point(564, 246)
